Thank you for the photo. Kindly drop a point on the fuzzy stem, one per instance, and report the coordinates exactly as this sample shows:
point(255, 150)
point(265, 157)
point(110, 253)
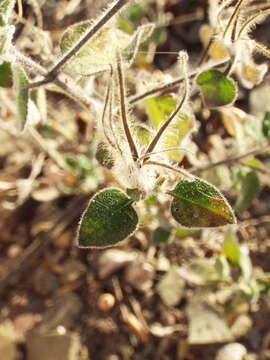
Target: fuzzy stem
point(103, 117)
point(233, 17)
point(123, 109)
point(167, 166)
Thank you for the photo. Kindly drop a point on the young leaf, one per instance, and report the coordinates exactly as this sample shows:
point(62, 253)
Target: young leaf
point(158, 109)
point(231, 248)
point(198, 204)
point(250, 189)
point(109, 218)
point(6, 7)
point(20, 81)
point(6, 75)
point(216, 88)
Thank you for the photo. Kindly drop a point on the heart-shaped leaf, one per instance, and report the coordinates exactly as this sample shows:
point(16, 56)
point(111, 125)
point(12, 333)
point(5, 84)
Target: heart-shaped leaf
point(197, 203)
point(20, 81)
point(217, 89)
point(108, 219)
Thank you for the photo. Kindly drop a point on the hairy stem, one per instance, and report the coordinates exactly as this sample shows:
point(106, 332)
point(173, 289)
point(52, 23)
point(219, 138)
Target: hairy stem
point(167, 166)
point(66, 84)
point(123, 109)
point(233, 18)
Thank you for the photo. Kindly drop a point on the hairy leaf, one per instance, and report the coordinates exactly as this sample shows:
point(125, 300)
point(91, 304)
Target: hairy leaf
point(158, 109)
point(198, 204)
point(6, 75)
point(6, 7)
point(99, 52)
point(6, 35)
point(216, 88)
point(20, 83)
point(109, 218)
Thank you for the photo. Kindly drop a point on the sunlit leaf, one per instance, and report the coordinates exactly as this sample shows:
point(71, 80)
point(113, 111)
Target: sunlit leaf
point(250, 189)
point(158, 109)
point(108, 219)
point(6, 7)
point(231, 248)
point(143, 135)
point(6, 75)
point(20, 82)
point(216, 88)
point(198, 204)
point(100, 51)
point(6, 35)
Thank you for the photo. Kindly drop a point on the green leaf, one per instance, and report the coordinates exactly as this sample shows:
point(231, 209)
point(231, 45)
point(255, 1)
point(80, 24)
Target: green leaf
point(143, 135)
point(266, 125)
point(6, 7)
point(98, 53)
point(108, 219)
point(161, 235)
point(6, 80)
point(198, 204)
point(158, 109)
point(20, 83)
point(250, 189)
point(216, 88)
point(231, 248)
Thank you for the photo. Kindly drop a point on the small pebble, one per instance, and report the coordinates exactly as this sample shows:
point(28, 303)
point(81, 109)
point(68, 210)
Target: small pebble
point(106, 302)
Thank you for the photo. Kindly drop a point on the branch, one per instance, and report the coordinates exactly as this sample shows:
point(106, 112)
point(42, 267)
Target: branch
point(231, 159)
point(170, 85)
